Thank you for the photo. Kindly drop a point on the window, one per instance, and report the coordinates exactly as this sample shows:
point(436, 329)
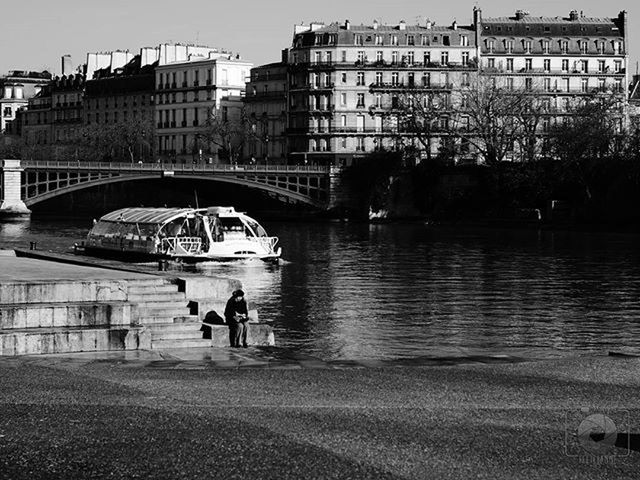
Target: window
point(358, 39)
point(547, 64)
point(327, 57)
point(600, 46)
point(527, 46)
point(318, 57)
point(444, 58)
point(565, 65)
point(585, 66)
point(601, 66)
point(378, 78)
point(393, 39)
point(508, 45)
point(343, 77)
point(547, 84)
point(424, 40)
point(378, 100)
point(394, 78)
point(343, 121)
point(545, 47)
point(361, 56)
point(564, 46)
point(427, 58)
point(528, 63)
point(360, 123)
point(601, 84)
point(410, 40)
point(617, 66)
point(528, 83)
point(490, 45)
point(618, 85)
point(379, 56)
point(410, 58)
point(360, 144)
point(344, 55)
point(509, 64)
point(394, 57)
point(567, 84)
point(465, 59)
point(584, 84)
point(464, 41)
point(491, 62)
point(509, 83)
point(378, 40)
point(360, 78)
point(465, 79)
point(343, 98)
point(583, 46)
point(426, 79)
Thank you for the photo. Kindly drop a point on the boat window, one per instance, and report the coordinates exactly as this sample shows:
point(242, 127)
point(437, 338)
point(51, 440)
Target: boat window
point(232, 224)
point(257, 228)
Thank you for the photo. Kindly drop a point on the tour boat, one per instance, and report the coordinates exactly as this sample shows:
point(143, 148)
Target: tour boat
point(188, 234)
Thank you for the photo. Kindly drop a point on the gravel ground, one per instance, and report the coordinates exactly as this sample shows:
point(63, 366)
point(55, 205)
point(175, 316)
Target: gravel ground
point(111, 419)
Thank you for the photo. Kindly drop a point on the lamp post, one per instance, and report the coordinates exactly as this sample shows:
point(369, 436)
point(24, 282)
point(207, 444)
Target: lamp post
point(266, 151)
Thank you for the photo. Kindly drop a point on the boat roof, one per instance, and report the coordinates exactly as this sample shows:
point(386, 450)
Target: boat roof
point(161, 215)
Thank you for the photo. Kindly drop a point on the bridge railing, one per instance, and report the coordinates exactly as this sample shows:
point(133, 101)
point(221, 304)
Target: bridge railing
point(170, 167)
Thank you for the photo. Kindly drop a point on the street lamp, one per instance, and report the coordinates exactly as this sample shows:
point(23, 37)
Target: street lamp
point(266, 151)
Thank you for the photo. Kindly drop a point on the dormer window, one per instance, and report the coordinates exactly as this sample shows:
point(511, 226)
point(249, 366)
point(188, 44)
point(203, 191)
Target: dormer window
point(527, 46)
point(490, 45)
point(545, 47)
point(584, 45)
point(508, 45)
point(358, 39)
point(600, 46)
point(564, 46)
point(411, 40)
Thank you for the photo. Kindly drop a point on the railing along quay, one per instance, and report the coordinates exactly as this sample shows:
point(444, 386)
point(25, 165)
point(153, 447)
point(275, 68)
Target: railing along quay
point(170, 167)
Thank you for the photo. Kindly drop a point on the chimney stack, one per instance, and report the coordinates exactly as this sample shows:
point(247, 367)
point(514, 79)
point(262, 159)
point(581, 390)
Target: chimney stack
point(67, 65)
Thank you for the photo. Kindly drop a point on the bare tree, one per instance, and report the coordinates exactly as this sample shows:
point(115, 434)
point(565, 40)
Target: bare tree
point(228, 132)
point(490, 117)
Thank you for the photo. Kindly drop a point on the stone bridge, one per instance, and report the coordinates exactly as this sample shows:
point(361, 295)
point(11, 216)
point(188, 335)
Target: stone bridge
point(24, 183)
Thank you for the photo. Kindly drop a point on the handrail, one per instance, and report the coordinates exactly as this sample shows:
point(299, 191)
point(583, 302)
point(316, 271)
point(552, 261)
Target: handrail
point(171, 167)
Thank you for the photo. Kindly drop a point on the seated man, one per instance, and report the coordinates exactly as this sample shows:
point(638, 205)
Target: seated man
point(236, 315)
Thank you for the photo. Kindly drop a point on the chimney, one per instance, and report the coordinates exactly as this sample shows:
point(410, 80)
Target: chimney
point(403, 25)
point(454, 25)
point(347, 25)
point(520, 14)
point(375, 24)
point(429, 24)
point(67, 65)
point(573, 15)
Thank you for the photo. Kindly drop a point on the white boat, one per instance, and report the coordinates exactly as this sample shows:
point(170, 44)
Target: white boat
point(189, 234)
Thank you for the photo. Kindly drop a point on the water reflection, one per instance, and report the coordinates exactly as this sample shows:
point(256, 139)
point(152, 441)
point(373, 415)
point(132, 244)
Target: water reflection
point(354, 291)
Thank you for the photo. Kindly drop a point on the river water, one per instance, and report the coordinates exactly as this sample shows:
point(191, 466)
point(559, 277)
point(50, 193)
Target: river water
point(357, 291)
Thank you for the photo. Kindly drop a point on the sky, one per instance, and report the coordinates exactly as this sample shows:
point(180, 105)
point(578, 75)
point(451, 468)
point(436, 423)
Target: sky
point(36, 33)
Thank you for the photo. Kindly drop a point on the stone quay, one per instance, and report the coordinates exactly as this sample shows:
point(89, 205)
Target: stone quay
point(55, 304)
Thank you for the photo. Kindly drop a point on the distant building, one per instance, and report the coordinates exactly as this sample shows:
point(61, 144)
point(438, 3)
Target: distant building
point(16, 88)
point(266, 104)
point(344, 81)
point(187, 94)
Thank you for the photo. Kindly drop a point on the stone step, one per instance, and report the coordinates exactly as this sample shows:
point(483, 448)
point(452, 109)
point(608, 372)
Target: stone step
point(175, 331)
point(154, 297)
point(144, 289)
point(160, 310)
point(179, 343)
point(160, 319)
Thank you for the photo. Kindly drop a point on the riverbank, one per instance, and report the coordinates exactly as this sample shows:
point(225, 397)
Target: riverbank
point(77, 417)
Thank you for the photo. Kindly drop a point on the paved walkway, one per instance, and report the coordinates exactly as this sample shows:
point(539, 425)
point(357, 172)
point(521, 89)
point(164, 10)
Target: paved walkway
point(169, 416)
point(24, 270)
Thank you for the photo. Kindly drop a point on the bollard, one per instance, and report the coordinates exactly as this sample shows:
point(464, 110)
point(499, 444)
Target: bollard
point(33, 245)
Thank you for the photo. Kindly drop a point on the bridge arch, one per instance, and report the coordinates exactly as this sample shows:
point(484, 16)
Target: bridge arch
point(52, 185)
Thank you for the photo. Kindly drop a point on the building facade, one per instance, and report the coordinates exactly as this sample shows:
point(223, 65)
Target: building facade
point(188, 94)
point(266, 105)
point(348, 86)
point(564, 60)
point(16, 88)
